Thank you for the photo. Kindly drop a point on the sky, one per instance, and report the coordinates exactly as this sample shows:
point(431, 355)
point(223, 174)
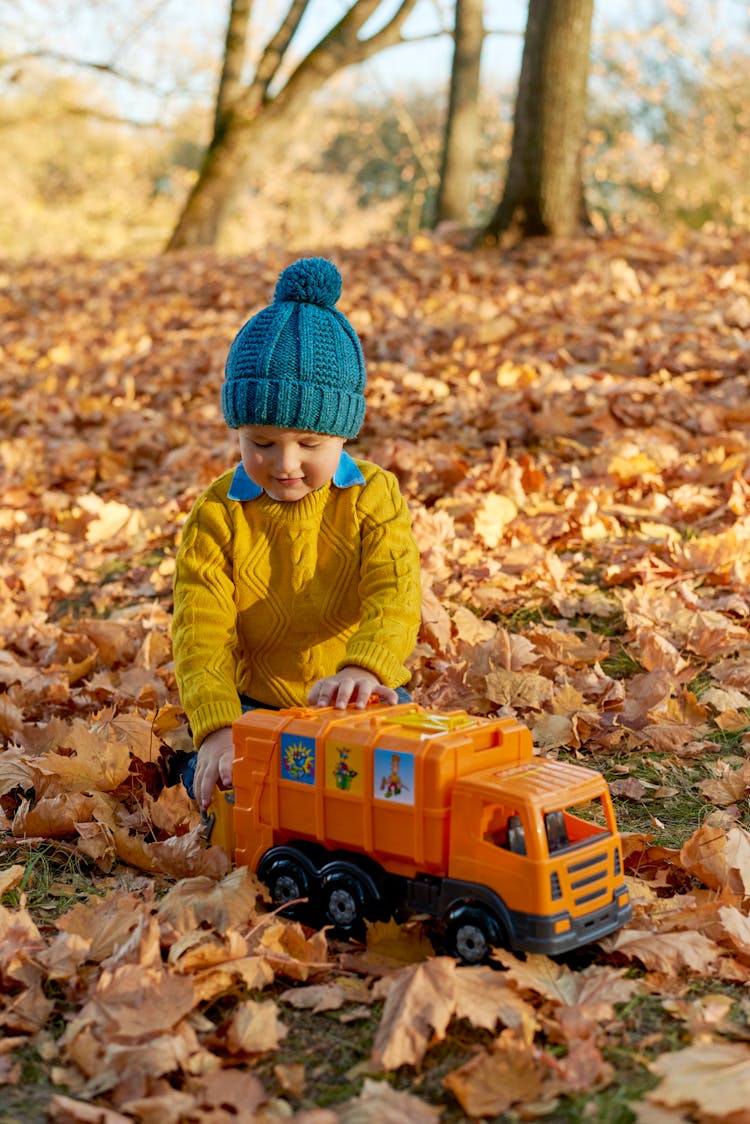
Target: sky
point(178, 45)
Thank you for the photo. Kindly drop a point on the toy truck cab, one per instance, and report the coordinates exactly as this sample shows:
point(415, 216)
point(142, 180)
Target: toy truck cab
point(399, 810)
point(539, 841)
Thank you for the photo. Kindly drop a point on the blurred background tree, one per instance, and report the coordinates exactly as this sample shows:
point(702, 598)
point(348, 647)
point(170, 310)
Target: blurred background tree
point(254, 118)
point(462, 134)
point(108, 109)
point(543, 192)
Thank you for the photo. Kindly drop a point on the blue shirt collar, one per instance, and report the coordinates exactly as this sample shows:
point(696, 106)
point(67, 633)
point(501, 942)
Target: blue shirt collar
point(243, 488)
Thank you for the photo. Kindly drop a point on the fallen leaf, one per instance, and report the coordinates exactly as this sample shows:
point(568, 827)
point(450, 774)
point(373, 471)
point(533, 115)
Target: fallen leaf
point(496, 1079)
point(255, 1028)
point(418, 1007)
point(712, 1077)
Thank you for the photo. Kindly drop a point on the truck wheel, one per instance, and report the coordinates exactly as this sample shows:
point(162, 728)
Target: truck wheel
point(345, 902)
point(286, 879)
point(470, 934)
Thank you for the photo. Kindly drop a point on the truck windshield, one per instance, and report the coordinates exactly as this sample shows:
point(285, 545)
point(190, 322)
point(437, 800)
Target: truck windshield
point(576, 824)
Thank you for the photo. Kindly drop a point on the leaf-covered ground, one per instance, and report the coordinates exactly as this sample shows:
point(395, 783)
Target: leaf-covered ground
point(570, 426)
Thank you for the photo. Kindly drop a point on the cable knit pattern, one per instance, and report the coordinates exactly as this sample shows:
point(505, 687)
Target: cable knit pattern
point(270, 597)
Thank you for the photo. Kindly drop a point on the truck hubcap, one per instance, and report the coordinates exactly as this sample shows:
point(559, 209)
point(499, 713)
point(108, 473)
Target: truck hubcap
point(286, 889)
point(342, 907)
point(471, 944)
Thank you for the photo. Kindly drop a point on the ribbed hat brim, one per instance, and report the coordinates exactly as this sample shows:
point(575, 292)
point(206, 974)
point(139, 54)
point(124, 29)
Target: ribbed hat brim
point(292, 405)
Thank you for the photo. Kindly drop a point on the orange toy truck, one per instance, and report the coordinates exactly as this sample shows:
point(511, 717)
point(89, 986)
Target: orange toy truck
point(400, 810)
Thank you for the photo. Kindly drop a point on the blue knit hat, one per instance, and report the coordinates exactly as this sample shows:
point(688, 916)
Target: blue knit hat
point(298, 364)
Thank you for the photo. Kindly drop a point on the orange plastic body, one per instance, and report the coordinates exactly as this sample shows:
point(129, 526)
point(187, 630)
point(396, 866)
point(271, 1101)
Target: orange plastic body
point(425, 794)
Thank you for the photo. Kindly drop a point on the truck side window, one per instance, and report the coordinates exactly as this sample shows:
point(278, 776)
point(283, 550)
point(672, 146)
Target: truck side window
point(496, 829)
point(516, 837)
point(557, 833)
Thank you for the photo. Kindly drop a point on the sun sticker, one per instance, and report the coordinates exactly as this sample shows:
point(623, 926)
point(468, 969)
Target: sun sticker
point(298, 758)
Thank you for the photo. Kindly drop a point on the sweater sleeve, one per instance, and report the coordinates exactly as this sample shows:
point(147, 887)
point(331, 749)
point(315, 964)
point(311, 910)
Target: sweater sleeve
point(389, 584)
point(204, 627)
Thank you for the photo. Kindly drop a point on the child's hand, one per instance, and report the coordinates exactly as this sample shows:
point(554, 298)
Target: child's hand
point(351, 685)
point(214, 765)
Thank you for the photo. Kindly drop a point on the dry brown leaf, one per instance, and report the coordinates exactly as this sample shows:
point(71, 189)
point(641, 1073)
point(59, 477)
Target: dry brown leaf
point(493, 514)
point(229, 1086)
point(419, 1004)
point(519, 689)
point(10, 877)
point(508, 1074)
point(197, 901)
point(255, 1028)
point(594, 988)
point(105, 924)
point(720, 858)
point(484, 998)
point(316, 997)
point(67, 1110)
point(289, 952)
point(136, 1002)
point(713, 1077)
point(97, 763)
point(54, 817)
point(727, 788)
point(436, 624)
point(379, 1103)
point(292, 1078)
point(583, 1068)
point(396, 945)
point(669, 953)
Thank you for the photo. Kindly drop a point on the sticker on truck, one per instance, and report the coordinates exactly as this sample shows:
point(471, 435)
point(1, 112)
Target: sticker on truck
point(393, 776)
point(297, 758)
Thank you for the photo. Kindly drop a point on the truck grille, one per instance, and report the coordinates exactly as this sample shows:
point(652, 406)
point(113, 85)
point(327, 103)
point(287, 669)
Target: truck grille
point(589, 879)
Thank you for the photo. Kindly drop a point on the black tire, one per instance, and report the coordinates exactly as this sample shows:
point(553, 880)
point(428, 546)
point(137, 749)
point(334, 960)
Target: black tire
point(471, 933)
point(287, 880)
point(346, 903)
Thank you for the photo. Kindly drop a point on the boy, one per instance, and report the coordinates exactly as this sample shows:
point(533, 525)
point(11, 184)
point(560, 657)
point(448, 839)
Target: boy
point(297, 579)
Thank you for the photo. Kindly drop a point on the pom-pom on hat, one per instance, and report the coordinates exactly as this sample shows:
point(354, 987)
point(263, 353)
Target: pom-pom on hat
point(298, 363)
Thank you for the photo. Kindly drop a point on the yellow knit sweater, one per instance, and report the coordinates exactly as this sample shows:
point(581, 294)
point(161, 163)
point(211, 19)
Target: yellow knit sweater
point(271, 596)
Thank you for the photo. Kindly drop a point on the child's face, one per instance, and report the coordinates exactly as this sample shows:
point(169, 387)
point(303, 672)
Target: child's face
point(288, 464)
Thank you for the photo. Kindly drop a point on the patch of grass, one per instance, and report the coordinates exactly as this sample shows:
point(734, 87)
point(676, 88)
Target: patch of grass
point(731, 741)
point(25, 1101)
point(334, 1053)
point(621, 665)
point(519, 619)
point(611, 626)
point(701, 683)
point(671, 818)
point(55, 878)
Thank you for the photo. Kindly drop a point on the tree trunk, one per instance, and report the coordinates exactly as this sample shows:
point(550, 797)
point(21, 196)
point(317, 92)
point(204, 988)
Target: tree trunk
point(230, 83)
point(544, 191)
point(216, 186)
point(462, 127)
point(250, 119)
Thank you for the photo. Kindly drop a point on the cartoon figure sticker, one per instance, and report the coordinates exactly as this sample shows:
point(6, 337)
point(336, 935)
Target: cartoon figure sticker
point(298, 758)
point(344, 768)
point(393, 777)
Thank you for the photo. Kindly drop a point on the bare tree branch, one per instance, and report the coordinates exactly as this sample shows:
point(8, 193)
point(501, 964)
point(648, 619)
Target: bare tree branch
point(343, 47)
point(82, 64)
point(276, 48)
